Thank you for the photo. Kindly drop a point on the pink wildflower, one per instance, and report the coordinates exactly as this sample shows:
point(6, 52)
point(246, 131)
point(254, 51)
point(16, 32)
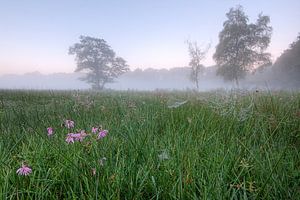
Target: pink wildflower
point(76, 136)
point(102, 134)
point(50, 131)
point(70, 138)
point(69, 123)
point(24, 170)
point(94, 129)
point(79, 136)
point(83, 134)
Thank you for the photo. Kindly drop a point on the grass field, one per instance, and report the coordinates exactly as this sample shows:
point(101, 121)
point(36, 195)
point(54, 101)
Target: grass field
point(214, 145)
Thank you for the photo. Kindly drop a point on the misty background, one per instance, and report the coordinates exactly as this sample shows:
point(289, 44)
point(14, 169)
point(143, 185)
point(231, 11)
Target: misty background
point(152, 79)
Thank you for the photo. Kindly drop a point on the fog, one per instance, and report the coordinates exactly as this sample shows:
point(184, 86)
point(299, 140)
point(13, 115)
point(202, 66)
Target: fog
point(153, 79)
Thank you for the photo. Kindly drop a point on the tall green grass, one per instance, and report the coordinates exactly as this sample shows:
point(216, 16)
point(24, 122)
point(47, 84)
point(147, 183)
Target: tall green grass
point(218, 145)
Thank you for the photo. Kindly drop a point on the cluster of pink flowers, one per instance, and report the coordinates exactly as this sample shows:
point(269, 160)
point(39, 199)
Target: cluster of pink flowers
point(24, 170)
point(71, 137)
point(101, 133)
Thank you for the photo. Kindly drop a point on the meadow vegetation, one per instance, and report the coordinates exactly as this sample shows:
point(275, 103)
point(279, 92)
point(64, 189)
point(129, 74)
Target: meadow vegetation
point(210, 145)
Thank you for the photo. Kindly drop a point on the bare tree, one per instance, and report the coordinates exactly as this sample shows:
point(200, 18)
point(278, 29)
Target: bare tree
point(196, 55)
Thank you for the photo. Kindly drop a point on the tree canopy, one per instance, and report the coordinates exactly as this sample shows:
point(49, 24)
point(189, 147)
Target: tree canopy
point(95, 57)
point(287, 65)
point(242, 45)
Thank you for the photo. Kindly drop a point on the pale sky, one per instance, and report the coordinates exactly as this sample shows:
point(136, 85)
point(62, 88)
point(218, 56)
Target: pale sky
point(36, 35)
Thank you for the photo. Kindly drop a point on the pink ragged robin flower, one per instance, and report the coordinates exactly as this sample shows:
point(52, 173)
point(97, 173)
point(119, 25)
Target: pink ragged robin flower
point(102, 134)
point(83, 134)
point(24, 170)
point(69, 138)
point(79, 136)
point(50, 131)
point(76, 136)
point(69, 123)
point(95, 129)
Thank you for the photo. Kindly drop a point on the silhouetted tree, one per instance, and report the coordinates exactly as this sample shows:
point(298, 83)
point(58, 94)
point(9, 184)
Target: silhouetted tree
point(241, 45)
point(288, 64)
point(98, 60)
point(196, 55)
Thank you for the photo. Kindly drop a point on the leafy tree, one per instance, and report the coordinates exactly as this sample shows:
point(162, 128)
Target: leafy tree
point(95, 57)
point(287, 66)
point(289, 61)
point(242, 45)
point(196, 55)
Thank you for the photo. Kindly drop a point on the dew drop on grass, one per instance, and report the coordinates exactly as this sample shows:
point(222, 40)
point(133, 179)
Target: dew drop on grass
point(177, 104)
point(164, 155)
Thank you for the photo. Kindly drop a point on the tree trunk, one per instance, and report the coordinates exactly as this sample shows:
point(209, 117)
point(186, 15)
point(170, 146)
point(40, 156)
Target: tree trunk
point(237, 82)
point(101, 86)
point(97, 87)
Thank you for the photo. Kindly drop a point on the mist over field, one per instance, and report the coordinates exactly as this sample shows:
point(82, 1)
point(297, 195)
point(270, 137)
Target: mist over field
point(151, 79)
